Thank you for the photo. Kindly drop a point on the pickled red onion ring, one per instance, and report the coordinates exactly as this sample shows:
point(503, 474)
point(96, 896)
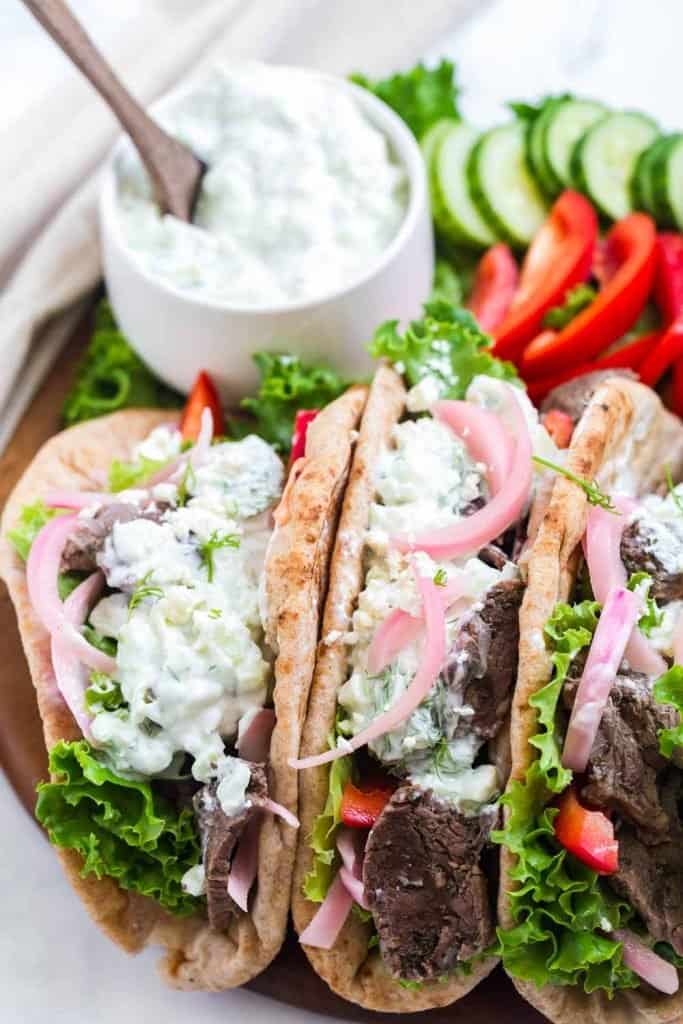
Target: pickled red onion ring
point(351, 846)
point(606, 569)
point(244, 866)
point(323, 929)
point(280, 812)
point(42, 571)
point(431, 663)
point(619, 616)
point(200, 450)
point(400, 628)
point(77, 500)
point(71, 675)
point(354, 887)
point(254, 743)
point(504, 508)
point(484, 434)
point(644, 962)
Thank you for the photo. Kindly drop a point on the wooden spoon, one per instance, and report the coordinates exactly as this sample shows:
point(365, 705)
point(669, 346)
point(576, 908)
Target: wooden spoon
point(176, 173)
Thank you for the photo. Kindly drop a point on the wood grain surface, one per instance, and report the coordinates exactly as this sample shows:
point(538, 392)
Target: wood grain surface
point(23, 758)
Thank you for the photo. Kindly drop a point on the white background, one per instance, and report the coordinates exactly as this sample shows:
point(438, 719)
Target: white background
point(54, 965)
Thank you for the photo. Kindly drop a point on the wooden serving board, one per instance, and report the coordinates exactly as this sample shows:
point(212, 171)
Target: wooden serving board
point(23, 757)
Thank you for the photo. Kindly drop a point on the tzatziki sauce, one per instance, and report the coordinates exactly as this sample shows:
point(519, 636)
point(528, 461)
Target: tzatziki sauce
point(302, 195)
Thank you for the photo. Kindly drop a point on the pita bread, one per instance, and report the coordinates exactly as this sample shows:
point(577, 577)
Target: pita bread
point(622, 440)
point(198, 957)
point(349, 968)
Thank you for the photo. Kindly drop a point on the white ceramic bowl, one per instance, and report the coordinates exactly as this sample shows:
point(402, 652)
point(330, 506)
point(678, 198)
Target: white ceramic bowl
point(178, 333)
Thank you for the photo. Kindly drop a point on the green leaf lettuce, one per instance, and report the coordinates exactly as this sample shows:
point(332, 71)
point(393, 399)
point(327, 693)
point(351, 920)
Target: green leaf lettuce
point(446, 344)
point(421, 96)
point(562, 912)
point(112, 376)
point(323, 835)
point(287, 385)
point(121, 827)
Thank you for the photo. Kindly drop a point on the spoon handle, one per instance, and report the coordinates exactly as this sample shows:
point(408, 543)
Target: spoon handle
point(175, 171)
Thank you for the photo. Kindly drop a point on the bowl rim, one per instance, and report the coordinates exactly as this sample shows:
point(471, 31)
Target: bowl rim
point(401, 139)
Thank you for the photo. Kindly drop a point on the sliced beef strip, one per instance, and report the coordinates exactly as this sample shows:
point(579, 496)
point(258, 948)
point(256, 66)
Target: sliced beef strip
point(425, 886)
point(483, 661)
point(87, 540)
point(493, 556)
point(574, 396)
point(638, 553)
point(651, 877)
point(625, 761)
point(219, 834)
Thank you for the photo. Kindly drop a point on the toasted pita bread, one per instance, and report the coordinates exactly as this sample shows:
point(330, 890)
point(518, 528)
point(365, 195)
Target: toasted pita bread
point(198, 957)
point(622, 440)
point(349, 968)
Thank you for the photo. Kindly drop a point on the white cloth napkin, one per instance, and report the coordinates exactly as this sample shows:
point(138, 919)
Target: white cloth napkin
point(51, 157)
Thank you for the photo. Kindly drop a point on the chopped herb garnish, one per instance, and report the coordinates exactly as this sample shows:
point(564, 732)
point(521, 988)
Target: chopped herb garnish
point(103, 694)
point(441, 577)
point(672, 489)
point(144, 590)
point(215, 542)
point(187, 484)
point(592, 490)
point(215, 613)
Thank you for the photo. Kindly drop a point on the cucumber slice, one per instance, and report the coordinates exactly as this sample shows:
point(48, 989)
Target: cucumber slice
point(536, 154)
point(430, 141)
point(455, 214)
point(667, 182)
point(642, 195)
point(567, 121)
point(502, 187)
point(603, 160)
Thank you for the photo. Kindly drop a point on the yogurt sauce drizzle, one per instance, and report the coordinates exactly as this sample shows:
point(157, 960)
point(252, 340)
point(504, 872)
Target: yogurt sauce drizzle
point(302, 192)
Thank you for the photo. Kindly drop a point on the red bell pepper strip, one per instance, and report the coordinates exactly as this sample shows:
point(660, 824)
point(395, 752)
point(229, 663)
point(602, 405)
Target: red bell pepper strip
point(668, 289)
point(302, 422)
point(677, 389)
point(203, 396)
point(665, 354)
point(494, 286)
point(631, 246)
point(560, 426)
point(559, 257)
point(589, 835)
point(628, 357)
point(360, 808)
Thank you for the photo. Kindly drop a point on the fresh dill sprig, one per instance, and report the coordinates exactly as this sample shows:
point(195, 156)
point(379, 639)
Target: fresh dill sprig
point(215, 542)
point(592, 490)
point(672, 489)
point(187, 484)
point(441, 577)
point(144, 590)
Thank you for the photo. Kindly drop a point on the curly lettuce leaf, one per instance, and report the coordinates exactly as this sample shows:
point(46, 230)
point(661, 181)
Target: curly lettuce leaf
point(31, 521)
point(652, 616)
point(421, 96)
point(669, 690)
point(561, 910)
point(447, 285)
point(121, 828)
point(323, 835)
point(447, 344)
point(287, 385)
point(112, 376)
point(568, 630)
point(124, 475)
